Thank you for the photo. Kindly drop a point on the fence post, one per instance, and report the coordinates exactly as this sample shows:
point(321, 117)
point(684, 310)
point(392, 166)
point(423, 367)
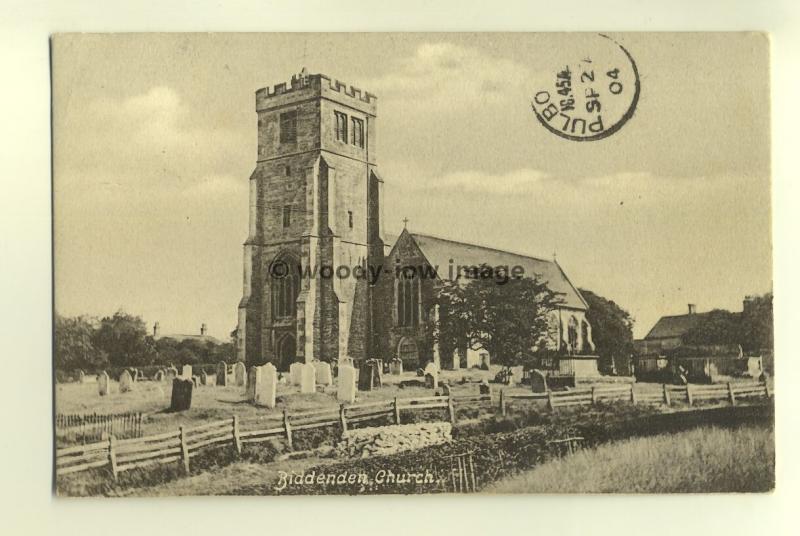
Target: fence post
point(689, 393)
point(731, 396)
point(667, 401)
point(502, 403)
point(184, 449)
point(237, 442)
point(112, 455)
point(451, 410)
point(396, 411)
point(343, 418)
point(766, 389)
point(288, 427)
point(594, 396)
point(550, 404)
point(633, 395)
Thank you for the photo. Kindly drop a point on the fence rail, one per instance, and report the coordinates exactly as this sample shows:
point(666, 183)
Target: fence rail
point(179, 446)
point(89, 427)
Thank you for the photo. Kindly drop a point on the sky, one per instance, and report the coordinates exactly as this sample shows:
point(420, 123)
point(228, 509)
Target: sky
point(155, 140)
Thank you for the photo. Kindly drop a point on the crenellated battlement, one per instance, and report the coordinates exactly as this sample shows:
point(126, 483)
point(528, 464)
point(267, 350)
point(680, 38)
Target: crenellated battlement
point(316, 83)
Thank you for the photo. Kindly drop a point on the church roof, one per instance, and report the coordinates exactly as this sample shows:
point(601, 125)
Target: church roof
point(439, 252)
point(180, 337)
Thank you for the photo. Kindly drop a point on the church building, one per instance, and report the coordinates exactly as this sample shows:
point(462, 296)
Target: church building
point(315, 200)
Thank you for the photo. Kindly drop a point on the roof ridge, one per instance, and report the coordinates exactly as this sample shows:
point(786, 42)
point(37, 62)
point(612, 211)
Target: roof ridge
point(489, 248)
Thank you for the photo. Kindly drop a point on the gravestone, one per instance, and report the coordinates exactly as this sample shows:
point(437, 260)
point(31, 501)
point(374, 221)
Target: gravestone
point(222, 373)
point(369, 377)
point(81, 376)
point(171, 374)
point(346, 384)
point(239, 374)
point(102, 383)
point(431, 368)
point(538, 381)
point(181, 394)
point(308, 375)
point(196, 380)
point(346, 361)
point(431, 381)
point(444, 389)
point(294, 373)
point(203, 378)
point(134, 373)
point(159, 376)
point(484, 388)
point(267, 386)
point(253, 377)
point(323, 372)
point(517, 373)
point(396, 367)
point(139, 375)
point(186, 372)
point(125, 382)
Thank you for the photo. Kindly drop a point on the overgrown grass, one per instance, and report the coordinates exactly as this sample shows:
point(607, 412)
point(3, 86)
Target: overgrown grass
point(707, 459)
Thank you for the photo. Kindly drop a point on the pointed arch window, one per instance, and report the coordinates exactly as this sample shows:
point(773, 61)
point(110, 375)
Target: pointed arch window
point(285, 287)
point(407, 298)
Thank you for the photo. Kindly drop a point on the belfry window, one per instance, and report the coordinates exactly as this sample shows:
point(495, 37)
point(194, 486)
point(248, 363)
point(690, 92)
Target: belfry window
point(341, 126)
point(288, 127)
point(407, 301)
point(358, 132)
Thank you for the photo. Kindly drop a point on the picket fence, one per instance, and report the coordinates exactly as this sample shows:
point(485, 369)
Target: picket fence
point(179, 446)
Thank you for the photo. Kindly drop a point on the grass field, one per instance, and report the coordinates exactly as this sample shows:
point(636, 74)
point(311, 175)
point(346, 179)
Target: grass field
point(703, 460)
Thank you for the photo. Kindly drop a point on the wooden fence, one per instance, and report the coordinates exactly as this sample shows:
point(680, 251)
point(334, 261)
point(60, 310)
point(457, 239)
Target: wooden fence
point(88, 427)
point(179, 446)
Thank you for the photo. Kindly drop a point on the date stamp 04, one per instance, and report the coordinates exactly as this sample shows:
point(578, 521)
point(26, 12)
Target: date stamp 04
point(591, 95)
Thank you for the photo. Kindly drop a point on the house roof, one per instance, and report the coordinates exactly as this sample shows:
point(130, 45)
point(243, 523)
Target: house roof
point(674, 326)
point(440, 251)
point(180, 337)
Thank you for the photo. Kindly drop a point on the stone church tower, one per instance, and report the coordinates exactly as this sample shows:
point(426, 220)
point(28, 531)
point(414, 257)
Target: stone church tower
point(314, 207)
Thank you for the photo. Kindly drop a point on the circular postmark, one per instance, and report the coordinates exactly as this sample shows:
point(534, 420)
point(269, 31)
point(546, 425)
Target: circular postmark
point(590, 94)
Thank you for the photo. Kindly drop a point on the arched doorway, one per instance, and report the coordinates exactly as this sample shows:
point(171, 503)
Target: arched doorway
point(408, 352)
point(287, 352)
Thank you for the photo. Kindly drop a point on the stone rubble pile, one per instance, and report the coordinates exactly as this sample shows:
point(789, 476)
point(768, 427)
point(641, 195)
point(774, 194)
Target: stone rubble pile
point(384, 440)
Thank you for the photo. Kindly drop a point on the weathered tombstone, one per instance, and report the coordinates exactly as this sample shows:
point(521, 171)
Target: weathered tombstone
point(396, 367)
point(369, 376)
point(134, 372)
point(517, 374)
point(171, 374)
point(253, 377)
point(431, 381)
point(102, 383)
point(125, 382)
point(196, 380)
point(181, 394)
point(346, 384)
point(444, 389)
point(346, 362)
point(294, 373)
point(81, 376)
point(323, 372)
point(222, 373)
point(159, 376)
point(203, 378)
point(186, 372)
point(239, 374)
point(431, 368)
point(139, 375)
point(538, 381)
point(266, 386)
point(308, 375)
point(484, 388)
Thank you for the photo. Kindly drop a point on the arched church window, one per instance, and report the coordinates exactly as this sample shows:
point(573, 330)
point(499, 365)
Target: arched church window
point(407, 300)
point(285, 288)
point(585, 336)
point(572, 334)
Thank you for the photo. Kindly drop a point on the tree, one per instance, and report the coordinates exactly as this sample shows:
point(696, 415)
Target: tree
point(124, 338)
point(612, 328)
point(509, 320)
point(717, 327)
point(73, 345)
point(757, 324)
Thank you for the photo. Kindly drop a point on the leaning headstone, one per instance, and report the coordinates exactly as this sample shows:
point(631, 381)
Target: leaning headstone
point(81, 376)
point(346, 384)
point(253, 377)
point(102, 383)
point(538, 381)
point(181, 394)
point(125, 382)
point(222, 373)
point(186, 372)
point(431, 381)
point(396, 367)
point(203, 378)
point(239, 374)
point(323, 372)
point(308, 375)
point(484, 388)
point(294, 373)
point(266, 386)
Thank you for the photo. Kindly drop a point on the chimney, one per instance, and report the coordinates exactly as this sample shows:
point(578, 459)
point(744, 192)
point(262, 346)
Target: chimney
point(203, 329)
point(692, 308)
point(156, 330)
